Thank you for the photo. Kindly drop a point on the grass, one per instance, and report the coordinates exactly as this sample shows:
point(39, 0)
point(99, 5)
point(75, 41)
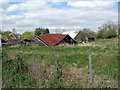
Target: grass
point(105, 64)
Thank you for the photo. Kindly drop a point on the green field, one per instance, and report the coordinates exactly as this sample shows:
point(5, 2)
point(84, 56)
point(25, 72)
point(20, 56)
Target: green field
point(73, 70)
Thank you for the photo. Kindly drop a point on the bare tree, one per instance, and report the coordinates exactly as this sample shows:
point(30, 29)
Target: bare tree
point(110, 25)
point(14, 31)
point(108, 30)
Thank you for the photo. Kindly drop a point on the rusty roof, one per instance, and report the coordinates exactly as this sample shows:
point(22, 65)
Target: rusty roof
point(52, 39)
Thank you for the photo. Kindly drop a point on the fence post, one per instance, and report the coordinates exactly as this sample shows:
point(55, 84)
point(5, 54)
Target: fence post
point(58, 73)
point(34, 64)
point(57, 64)
point(0, 40)
point(90, 69)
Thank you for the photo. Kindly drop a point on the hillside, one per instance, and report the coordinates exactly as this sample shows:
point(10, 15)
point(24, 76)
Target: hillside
point(35, 66)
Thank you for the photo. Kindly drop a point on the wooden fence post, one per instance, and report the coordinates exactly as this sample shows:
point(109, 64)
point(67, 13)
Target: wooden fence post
point(57, 64)
point(0, 40)
point(34, 64)
point(90, 70)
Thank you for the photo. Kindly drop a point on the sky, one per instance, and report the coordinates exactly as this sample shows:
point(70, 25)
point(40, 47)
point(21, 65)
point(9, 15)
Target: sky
point(70, 15)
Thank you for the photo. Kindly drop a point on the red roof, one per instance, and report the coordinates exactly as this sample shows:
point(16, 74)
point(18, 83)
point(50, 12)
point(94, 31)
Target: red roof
point(52, 39)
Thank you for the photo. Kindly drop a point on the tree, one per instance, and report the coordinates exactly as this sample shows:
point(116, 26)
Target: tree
point(1, 32)
point(111, 34)
point(108, 30)
point(101, 34)
point(14, 31)
point(28, 35)
point(40, 31)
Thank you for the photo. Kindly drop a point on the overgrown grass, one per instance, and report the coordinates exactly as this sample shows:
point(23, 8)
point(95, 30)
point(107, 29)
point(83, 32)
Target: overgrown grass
point(105, 62)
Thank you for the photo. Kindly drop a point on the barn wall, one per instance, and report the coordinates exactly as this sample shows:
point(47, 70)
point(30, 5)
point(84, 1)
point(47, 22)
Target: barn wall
point(67, 40)
point(39, 42)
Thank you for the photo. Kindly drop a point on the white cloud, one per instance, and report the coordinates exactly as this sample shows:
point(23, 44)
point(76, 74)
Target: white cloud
point(92, 4)
point(39, 14)
point(13, 8)
point(29, 6)
point(3, 4)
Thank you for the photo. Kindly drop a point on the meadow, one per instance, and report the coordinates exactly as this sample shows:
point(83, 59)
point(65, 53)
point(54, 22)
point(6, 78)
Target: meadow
point(34, 67)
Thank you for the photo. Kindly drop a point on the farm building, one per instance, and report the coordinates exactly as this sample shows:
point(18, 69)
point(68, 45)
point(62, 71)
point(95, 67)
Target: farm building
point(84, 37)
point(80, 36)
point(55, 39)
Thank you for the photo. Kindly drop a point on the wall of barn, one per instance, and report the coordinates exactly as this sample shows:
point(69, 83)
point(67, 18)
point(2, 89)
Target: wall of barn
point(39, 42)
point(66, 41)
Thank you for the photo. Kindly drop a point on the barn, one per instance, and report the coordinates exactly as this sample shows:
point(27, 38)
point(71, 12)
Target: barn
point(55, 39)
point(84, 37)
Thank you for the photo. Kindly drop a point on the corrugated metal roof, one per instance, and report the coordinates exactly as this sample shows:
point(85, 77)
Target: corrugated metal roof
point(52, 39)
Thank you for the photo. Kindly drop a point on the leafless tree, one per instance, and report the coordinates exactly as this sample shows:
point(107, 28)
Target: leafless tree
point(14, 31)
point(110, 25)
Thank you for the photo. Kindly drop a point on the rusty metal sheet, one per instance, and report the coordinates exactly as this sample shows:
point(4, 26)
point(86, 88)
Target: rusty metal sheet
point(52, 39)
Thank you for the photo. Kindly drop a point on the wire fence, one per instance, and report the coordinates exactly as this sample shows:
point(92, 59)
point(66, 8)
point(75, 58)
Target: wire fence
point(57, 75)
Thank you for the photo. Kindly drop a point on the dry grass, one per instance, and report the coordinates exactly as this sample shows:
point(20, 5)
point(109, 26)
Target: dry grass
point(83, 75)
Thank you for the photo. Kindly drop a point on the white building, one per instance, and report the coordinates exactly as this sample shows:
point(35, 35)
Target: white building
point(72, 34)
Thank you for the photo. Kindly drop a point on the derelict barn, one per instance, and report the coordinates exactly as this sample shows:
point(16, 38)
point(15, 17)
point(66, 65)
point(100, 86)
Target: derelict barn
point(54, 39)
point(84, 37)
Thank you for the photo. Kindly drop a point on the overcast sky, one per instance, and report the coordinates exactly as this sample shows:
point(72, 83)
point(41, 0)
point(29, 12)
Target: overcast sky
point(26, 15)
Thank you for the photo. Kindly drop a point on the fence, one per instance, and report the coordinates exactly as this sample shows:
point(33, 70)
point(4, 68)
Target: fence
point(57, 71)
point(58, 75)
